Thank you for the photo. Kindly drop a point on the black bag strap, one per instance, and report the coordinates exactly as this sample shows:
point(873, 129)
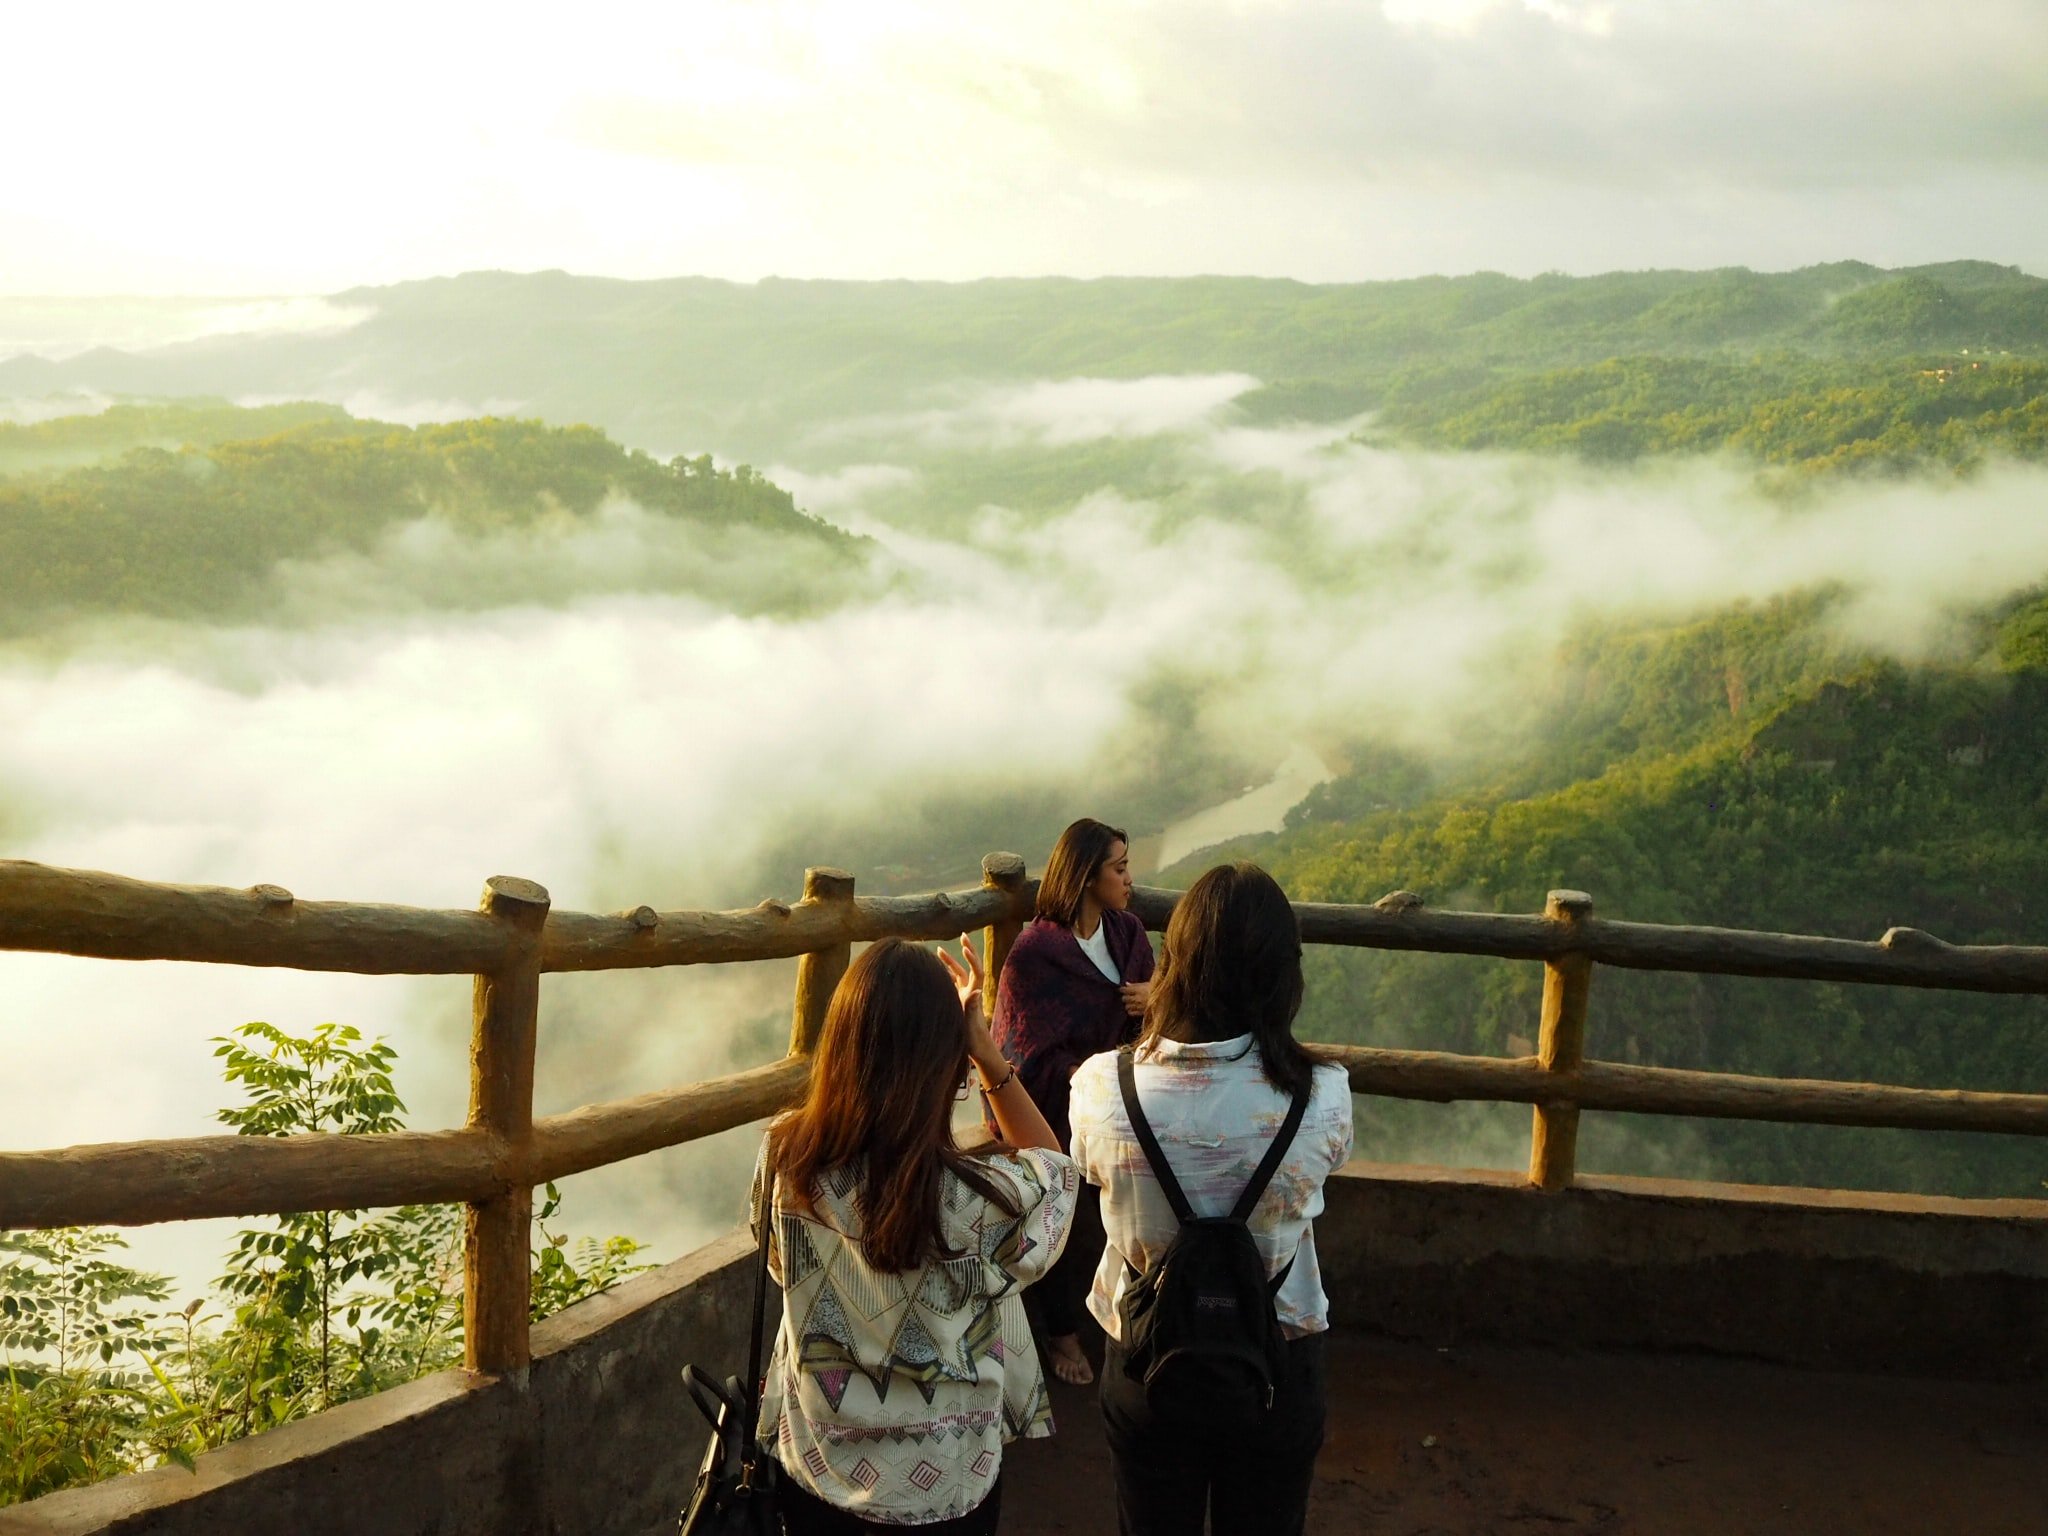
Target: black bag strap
point(750, 1413)
point(1162, 1170)
point(1127, 1081)
point(708, 1393)
point(1270, 1163)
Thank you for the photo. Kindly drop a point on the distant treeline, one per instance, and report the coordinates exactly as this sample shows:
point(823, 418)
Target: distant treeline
point(742, 335)
point(88, 437)
point(753, 367)
point(1787, 410)
point(1744, 770)
point(198, 531)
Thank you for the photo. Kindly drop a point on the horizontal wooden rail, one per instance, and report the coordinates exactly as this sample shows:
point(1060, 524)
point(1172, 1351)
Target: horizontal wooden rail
point(140, 1182)
point(772, 931)
point(1442, 1077)
point(609, 1133)
point(80, 912)
point(134, 1183)
point(111, 917)
point(1903, 957)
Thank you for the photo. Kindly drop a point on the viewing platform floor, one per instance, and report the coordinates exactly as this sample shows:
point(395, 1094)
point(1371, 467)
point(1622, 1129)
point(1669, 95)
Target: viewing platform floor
point(1529, 1440)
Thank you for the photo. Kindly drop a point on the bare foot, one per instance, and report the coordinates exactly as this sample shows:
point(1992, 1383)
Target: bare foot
point(1068, 1363)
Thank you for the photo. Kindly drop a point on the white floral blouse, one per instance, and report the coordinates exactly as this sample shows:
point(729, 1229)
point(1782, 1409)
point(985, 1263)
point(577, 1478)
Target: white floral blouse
point(891, 1395)
point(1214, 1114)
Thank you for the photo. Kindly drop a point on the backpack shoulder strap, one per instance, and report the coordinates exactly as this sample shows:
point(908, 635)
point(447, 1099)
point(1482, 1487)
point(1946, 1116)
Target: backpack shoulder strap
point(750, 1414)
point(1270, 1163)
point(1162, 1170)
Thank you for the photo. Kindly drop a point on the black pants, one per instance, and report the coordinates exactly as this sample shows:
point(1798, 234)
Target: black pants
point(805, 1514)
point(1059, 1301)
point(1249, 1484)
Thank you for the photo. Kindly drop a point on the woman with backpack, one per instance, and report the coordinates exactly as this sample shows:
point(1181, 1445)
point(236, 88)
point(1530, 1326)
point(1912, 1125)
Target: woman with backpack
point(904, 1362)
point(1075, 983)
point(1212, 1138)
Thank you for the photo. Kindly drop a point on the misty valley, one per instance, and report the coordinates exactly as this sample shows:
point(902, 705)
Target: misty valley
point(1716, 595)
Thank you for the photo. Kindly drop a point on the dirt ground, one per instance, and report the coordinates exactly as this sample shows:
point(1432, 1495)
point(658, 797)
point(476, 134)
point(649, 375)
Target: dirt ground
point(1429, 1442)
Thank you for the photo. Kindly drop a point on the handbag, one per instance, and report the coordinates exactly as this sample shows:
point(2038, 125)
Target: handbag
point(736, 1482)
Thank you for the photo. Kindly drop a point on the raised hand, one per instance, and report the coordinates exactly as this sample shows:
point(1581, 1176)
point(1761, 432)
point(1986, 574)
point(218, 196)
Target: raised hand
point(967, 978)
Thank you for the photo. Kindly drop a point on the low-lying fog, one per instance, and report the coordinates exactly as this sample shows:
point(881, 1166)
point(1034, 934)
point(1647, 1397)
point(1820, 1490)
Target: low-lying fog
point(444, 710)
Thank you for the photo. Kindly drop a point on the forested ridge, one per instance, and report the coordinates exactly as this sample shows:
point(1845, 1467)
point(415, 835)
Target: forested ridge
point(754, 368)
point(197, 531)
point(1815, 416)
point(1750, 770)
point(1272, 328)
point(82, 436)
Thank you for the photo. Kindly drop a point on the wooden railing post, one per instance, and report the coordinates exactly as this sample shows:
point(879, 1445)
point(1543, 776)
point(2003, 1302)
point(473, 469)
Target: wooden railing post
point(1561, 1047)
point(818, 973)
point(504, 1022)
point(999, 872)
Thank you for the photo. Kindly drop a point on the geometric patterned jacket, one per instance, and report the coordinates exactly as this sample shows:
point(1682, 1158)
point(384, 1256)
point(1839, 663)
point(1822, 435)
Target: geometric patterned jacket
point(892, 1395)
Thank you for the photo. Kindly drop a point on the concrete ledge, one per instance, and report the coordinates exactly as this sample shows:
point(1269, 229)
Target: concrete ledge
point(411, 1455)
point(1929, 1286)
point(619, 1437)
point(600, 1439)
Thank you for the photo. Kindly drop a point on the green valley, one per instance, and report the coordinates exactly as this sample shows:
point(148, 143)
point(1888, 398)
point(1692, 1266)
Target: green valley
point(1745, 770)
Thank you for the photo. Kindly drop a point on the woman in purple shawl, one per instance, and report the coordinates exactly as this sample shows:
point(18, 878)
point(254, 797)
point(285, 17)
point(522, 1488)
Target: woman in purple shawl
point(1074, 984)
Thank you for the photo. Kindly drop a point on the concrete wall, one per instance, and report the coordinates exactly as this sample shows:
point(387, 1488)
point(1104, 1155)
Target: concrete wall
point(601, 1440)
point(1953, 1288)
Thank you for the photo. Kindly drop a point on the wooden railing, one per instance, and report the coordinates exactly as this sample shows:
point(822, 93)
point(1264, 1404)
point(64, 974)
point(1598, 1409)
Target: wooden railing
point(493, 1163)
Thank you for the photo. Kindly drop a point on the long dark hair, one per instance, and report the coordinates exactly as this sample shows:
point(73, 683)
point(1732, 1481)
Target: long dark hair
point(1231, 965)
point(891, 1053)
point(1077, 858)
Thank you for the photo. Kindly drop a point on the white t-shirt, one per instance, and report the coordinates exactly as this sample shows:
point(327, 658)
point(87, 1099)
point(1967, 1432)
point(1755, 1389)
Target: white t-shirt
point(1214, 1114)
point(1097, 949)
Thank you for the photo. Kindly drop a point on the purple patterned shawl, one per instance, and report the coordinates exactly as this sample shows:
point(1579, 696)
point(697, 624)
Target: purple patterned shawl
point(1054, 1009)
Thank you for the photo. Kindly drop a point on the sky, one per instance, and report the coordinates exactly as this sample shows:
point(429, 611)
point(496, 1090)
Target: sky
point(230, 149)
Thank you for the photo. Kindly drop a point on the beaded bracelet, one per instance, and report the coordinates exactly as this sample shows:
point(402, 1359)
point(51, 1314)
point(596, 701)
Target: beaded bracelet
point(1009, 1077)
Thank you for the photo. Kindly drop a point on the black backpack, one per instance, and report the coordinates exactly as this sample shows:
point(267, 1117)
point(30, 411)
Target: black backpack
point(1199, 1329)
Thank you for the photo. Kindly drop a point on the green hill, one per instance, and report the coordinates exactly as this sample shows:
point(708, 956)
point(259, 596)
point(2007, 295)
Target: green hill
point(1744, 770)
point(67, 442)
point(752, 369)
point(1786, 410)
point(203, 530)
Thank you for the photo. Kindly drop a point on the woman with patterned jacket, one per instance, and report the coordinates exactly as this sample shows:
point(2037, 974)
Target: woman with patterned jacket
point(1214, 1073)
point(1075, 983)
point(904, 1363)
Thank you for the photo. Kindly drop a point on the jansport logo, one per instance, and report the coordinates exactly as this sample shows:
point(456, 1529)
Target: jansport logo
point(1210, 1303)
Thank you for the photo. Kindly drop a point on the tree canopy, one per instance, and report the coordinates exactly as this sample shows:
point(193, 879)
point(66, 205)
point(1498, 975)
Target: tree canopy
point(1748, 770)
point(198, 530)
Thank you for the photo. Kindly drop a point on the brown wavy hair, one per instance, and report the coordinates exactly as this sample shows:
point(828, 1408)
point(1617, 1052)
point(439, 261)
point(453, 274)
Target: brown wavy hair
point(1077, 858)
point(892, 1052)
point(1231, 965)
